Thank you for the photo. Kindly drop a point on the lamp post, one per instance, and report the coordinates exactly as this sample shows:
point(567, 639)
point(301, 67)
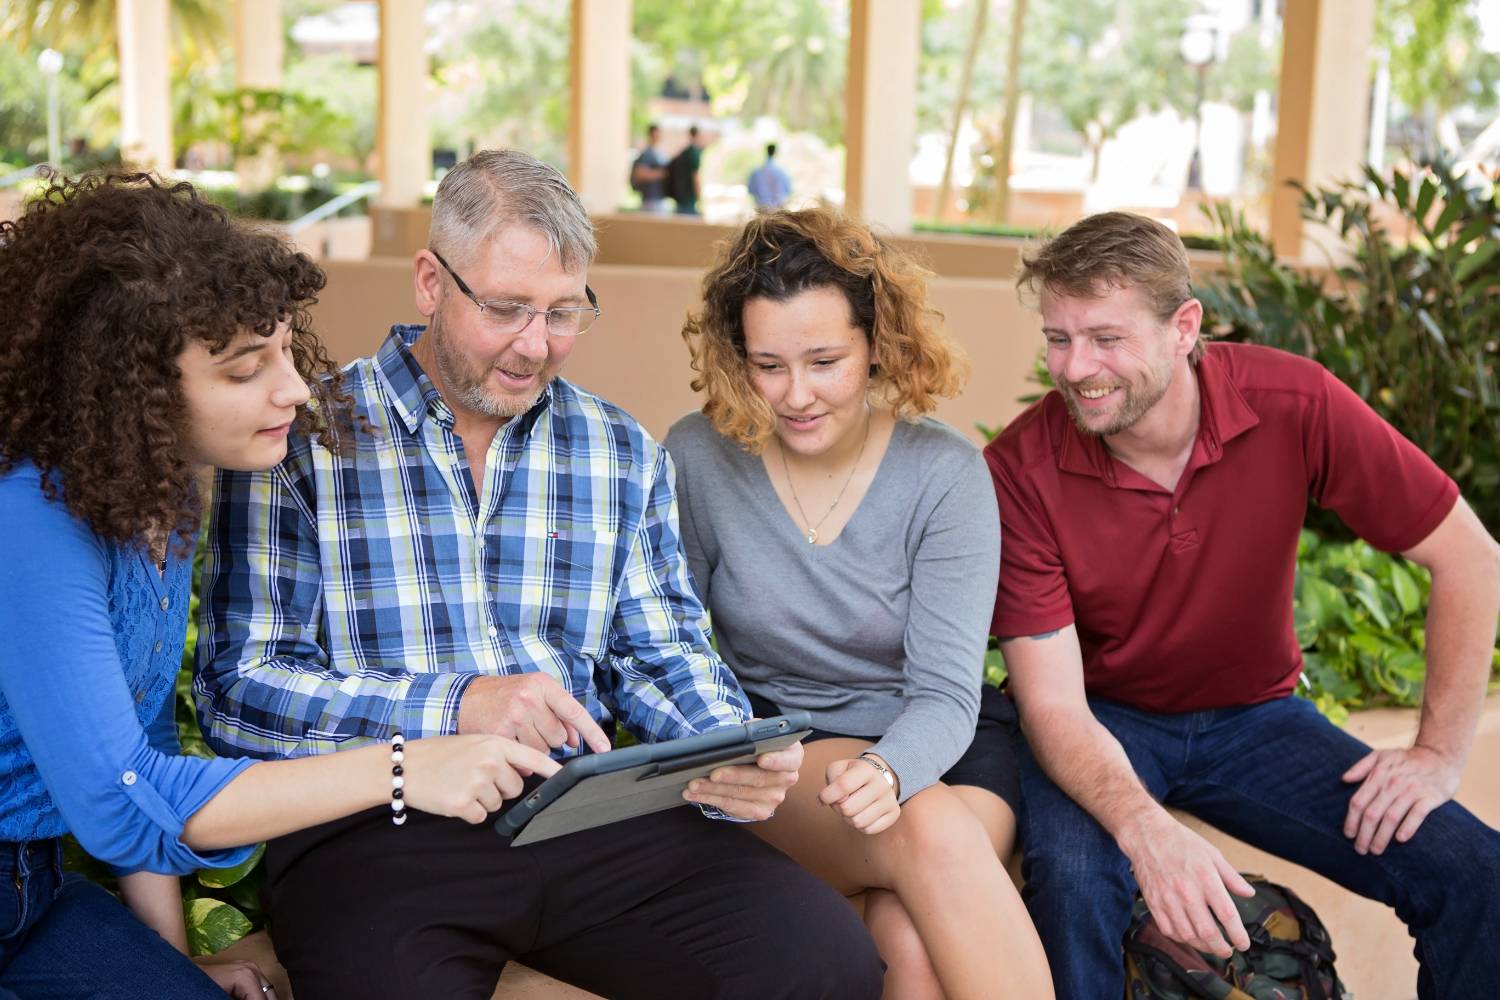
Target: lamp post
point(50, 62)
point(1197, 47)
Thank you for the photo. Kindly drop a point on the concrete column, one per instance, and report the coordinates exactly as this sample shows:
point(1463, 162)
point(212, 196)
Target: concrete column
point(403, 142)
point(1322, 119)
point(258, 57)
point(881, 116)
point(145, 89)
point(599, 126)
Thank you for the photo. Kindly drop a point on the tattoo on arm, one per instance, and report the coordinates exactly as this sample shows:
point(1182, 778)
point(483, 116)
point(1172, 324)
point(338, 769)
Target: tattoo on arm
point(1039, 636)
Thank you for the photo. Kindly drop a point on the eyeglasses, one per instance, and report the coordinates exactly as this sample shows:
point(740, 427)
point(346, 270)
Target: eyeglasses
point(512, 317)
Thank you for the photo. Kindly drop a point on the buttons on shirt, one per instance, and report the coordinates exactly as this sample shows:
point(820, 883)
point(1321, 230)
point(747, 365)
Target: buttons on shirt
point(140, 696)
point(156, 648)
point(166, 602)
point(128, 778)
point(494, 632)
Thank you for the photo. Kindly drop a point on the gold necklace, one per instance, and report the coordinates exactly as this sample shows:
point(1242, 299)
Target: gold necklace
point(812, 530)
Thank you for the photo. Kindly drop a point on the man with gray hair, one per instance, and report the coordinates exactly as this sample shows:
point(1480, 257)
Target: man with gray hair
point(496, 553)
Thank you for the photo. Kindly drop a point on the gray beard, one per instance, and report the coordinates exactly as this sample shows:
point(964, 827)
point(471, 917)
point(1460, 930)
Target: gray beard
point(470, 391)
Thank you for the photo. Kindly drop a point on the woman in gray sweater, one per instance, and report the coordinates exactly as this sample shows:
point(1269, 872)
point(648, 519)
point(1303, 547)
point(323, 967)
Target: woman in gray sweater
point(847, 547)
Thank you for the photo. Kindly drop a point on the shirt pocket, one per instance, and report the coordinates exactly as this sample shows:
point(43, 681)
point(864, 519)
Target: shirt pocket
point(569, 587)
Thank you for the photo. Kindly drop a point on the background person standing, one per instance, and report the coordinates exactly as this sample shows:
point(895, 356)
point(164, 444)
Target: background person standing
point(769, 185)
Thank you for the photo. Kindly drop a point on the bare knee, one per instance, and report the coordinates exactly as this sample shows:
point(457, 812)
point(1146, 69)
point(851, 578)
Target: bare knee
point(940, 834)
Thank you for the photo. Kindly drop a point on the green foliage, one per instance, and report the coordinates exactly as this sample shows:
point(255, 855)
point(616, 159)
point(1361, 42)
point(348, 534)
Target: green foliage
point(1189, 240)
point(1100, 63)
point(1360, 616)
point(783, 58)
point(23, 106)
point(994, 663)
point(250, 121)
point(350, 91)
point(290, 198)
point(212, 925)
point(1437, 62)
point(1409, 322)
point(82, 23)
point(506, 83)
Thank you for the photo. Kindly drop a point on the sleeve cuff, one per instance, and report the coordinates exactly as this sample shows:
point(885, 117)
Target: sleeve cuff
point(1016, 627)
point(910, 774)
point(431, 705)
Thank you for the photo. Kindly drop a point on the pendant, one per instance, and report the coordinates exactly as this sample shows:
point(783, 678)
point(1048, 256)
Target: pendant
point(812, 536)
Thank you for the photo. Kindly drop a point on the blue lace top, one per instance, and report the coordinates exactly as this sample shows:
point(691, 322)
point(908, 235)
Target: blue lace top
point(93, 637)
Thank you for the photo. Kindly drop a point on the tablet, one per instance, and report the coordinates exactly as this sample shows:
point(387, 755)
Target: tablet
point(601, 788)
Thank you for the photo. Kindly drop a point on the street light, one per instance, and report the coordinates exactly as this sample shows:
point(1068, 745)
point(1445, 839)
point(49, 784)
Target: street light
point(50, 62)
point(1197, 47)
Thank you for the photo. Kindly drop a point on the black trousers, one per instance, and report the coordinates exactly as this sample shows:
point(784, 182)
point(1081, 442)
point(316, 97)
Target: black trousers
point(671, 905)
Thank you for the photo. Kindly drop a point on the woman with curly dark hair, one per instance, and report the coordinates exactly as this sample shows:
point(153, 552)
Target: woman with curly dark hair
point(847, 548)
point(146, 337)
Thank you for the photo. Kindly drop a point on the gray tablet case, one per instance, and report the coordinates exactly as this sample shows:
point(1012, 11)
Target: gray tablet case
point(604, 788)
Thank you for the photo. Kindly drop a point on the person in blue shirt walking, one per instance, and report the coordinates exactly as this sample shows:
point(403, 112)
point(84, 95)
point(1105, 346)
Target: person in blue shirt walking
point(499, 553)
point(145, 338)
point(769, 185)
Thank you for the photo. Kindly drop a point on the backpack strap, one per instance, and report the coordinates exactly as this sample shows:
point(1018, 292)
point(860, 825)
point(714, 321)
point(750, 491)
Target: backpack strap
point(1314, 945)
point(1313, 931)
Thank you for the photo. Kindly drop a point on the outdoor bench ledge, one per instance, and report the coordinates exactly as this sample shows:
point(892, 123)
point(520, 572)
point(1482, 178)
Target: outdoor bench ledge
point(517, 983)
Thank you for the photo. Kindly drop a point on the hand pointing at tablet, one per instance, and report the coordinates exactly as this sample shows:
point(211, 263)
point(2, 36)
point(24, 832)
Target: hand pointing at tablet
point(532, 709)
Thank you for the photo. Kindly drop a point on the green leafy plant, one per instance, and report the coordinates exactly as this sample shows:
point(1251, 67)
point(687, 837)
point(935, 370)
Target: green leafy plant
point(1407, 317)
point(1360, 617)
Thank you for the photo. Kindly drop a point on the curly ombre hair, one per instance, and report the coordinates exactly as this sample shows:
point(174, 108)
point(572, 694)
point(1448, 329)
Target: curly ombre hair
point(105, 280)
point(779, 255)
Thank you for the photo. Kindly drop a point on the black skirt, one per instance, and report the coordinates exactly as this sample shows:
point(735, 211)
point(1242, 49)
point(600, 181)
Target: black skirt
point(989, 763)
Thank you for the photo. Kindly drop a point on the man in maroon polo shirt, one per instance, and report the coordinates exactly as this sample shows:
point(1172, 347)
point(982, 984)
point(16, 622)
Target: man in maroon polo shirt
point(1151, 506)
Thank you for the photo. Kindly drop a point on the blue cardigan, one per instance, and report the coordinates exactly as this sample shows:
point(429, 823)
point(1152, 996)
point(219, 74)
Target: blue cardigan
point(91, 638)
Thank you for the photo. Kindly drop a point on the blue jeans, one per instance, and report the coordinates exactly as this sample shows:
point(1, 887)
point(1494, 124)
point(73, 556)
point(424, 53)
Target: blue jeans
point(1270, 775)
point(61, 936)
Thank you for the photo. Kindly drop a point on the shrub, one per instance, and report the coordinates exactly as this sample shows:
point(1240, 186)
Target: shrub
point(1408, 321)
point(1360, 617)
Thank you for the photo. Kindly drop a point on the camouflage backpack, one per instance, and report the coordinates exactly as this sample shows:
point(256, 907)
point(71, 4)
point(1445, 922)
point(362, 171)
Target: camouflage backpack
point(1290, 956)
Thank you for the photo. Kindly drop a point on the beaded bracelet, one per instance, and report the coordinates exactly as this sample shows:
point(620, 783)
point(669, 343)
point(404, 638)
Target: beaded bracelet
point(398, 779)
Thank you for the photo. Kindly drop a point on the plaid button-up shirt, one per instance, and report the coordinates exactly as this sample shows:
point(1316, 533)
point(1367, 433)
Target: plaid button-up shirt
point(347, 597)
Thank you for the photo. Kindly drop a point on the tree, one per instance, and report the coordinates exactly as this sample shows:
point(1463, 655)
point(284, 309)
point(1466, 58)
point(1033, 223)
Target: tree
point(961, 102)
point(23, 106)
point(78, 25)
point(1436, 62)
point(753, 57)
point(1012, 104)
point(797, 75)
point(349, 90)
point(507, 82)
point(1100, 63)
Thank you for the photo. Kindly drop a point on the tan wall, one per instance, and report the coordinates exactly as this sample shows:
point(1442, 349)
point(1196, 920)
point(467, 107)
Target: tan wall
point(635, 357)
point(667, 241)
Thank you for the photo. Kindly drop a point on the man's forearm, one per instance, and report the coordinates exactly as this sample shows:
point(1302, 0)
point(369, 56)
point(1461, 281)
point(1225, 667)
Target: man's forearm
point(1085, 760)
point(1461, 617)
